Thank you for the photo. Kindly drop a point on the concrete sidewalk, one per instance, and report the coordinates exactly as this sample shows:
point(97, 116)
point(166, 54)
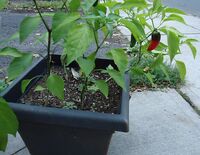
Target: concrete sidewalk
point(161, 123)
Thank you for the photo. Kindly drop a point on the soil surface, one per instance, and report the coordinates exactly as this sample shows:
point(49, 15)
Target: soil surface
point(93, 101)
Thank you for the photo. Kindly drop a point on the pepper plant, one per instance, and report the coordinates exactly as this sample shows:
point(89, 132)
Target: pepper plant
point(77, 25)
point(79, 30)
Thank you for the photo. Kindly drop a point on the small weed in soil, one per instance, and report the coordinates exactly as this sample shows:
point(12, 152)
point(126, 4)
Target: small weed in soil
point(93, 101)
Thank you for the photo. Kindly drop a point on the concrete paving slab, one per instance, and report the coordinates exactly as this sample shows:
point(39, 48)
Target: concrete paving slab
point(14, 144)
point(161, 123)
point(193, 21)
point(191, 6)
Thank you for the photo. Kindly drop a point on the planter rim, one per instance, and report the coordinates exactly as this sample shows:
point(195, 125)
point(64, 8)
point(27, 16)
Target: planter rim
point(73, 118)
point(17, 80)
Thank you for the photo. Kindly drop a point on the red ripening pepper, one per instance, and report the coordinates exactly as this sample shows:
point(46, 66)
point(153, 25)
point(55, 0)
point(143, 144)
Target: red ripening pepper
point(155, 40)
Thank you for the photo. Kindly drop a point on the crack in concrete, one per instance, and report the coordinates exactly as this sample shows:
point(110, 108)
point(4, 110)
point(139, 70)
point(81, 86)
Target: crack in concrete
point(18, 150)
point(194, 27)
point(189, 101)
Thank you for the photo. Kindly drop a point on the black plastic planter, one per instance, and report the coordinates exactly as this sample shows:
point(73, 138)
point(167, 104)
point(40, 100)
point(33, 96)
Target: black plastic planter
point(52, 131)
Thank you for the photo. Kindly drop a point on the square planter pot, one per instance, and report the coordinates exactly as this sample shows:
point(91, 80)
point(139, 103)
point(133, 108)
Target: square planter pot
point(53, 131)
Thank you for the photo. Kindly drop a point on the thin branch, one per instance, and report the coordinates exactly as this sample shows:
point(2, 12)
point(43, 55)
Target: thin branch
point(83, 91)
point(140, 53)
point(40, 14)
point(99, 46)
point(95, 37)
point(150, 33)
point(152, 22)
point(64, 4)
point(49, 54)
point(104, 40)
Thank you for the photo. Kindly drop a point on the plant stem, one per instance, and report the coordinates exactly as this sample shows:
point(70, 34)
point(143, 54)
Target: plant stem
point(49, 54)
point(140, 53)
point(148, 35)
point(99, 46)
point(64, 6)
point(152, 22)
point(95, 37)
point(40, 14)
point(139, 57)
point(83, 92)
point(49, 38)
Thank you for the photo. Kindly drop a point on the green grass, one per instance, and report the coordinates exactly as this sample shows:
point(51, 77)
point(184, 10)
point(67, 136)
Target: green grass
point(29, 5)
point(160, 79)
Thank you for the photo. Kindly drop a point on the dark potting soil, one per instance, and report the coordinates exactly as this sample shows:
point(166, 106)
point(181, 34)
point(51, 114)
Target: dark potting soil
point(93, 101)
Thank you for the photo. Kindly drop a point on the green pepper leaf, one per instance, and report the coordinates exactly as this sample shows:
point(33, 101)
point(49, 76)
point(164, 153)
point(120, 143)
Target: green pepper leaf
point(24, 84)
point(120, 59)
point(62, 23)
point(182, 69)
point(193, 49)
point(102, 86)
point(86, 65)
point(9, 51)
point(174, 10)
point(134, 28)
point(27, 26)
point(118, 77)
point(74, 5)
point(174, 17)
point(3, 141)
point(8, 120)
point(19, 65)
point(173, 44)
point(55, 85)
point(139, 27)
point(129, 4)
point(77, 42)
point(156, 5)
point(87, 4)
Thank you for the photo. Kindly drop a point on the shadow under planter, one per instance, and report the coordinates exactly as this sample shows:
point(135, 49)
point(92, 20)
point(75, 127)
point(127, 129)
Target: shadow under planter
point(51, 131)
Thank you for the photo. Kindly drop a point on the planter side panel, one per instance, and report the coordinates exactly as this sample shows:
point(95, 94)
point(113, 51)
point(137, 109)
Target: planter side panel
point(64, 140)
